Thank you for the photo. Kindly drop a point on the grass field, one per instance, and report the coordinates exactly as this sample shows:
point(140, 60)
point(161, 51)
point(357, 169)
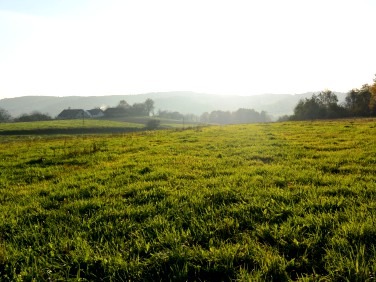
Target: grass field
point(67, 127)
point(262, 202)
point(87, 126)
point(164, 122)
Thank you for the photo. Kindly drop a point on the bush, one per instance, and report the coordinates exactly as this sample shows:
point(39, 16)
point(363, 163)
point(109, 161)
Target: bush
point(34, 116)
point(152, 124)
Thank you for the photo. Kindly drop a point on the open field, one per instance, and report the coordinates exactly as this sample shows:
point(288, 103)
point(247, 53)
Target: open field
point(262, 202)
point(74, 126)
point(164, 122)
point(87, 126)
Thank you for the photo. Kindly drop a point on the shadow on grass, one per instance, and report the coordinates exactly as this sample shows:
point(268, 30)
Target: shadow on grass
point(51, 131)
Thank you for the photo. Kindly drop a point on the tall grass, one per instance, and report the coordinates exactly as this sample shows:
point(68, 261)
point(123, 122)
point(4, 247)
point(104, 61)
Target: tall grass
point(264, 202)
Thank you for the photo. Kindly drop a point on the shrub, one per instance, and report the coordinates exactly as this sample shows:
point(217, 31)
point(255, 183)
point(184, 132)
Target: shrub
point(152, 124)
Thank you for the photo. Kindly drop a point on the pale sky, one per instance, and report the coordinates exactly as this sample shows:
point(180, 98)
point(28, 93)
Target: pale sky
point(101, 47)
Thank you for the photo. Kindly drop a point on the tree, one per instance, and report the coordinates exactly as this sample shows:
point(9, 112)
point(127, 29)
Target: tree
point(240, 116)
point(248, 115)
point(138, 109)
point(284, 118)
point(123, 104)
point(4, 115)
point(309, 108)
point(204, 117)
point(358, 101)
point(264, 117)
point(329, 102)
point(220, 117)
point(327, 98)
point(320, 106)
point(123, 109)
point(170, 115)
point(372, 103)
point(149, 106)
point(34, 116)
point(152, 124)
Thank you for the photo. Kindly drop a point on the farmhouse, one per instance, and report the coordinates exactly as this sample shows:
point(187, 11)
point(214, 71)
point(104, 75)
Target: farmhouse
point(96, 113)
point(115, 112)
point(73, 114)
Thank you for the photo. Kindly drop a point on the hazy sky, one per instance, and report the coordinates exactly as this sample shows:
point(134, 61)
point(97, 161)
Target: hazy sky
point(92, 47)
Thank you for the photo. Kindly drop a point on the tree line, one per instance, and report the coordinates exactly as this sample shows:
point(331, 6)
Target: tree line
point(324, 105)
point(33, 116)
point(239, 116)
point(123, 109)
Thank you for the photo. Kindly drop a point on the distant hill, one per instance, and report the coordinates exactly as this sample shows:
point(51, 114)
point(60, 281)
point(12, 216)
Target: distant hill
point(184, 102)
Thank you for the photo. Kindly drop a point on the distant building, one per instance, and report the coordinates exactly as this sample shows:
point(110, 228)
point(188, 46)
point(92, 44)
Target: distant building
point(115, 112)
point(73, 114)
point(96, 113)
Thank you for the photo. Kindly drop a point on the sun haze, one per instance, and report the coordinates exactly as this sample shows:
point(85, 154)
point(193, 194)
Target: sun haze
point(82, 47)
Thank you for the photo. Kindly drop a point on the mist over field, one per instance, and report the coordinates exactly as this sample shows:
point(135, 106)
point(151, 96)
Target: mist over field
point(184, 102)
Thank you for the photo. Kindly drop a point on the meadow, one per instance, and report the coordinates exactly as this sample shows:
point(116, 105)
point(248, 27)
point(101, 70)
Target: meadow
point(292, 201)
point(86, 126)
point(53, 127)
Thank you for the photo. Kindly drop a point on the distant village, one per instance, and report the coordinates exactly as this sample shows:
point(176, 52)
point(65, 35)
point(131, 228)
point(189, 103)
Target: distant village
point(123, 109)
point(145, 109)
point(80, 113)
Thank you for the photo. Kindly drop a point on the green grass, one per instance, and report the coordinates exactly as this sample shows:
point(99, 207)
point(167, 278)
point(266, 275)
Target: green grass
point(262, 202)
point(164, 122)
point(64, 127)
point(65, 124)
